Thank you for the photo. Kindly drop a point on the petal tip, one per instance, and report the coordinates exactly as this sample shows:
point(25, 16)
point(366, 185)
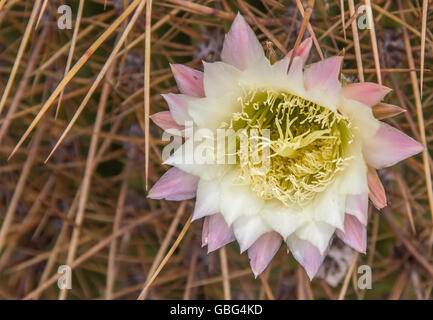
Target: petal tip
point(368, 93)
point(256, 272)
point(154, 193)
point(174, 185)
point(151, 195)
point(195, 218)
point(418, 147)
point(390, 146)
point(189, 80)
point(303, 50)
point(241, 47)
point(262, 252)
point(311, 273)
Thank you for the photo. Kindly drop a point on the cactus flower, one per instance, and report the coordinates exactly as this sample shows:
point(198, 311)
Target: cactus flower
point(323, 139)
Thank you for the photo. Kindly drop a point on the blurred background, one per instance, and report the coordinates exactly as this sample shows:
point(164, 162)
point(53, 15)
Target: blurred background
point(78, 80)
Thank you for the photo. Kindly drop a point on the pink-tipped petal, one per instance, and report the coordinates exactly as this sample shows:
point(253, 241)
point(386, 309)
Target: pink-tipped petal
point(303, 50)
point(174, 185)
point(241, 47)
point(189, 81)
point(323, 74)
point(263, 250)
point(306, 254)
point(355, 233)
point(357, 205)
point(165, 121)
point(205, 232)
point(219, 233)
point(368, 93)
point(377, 192)
point(178, 107)
point(389, 146)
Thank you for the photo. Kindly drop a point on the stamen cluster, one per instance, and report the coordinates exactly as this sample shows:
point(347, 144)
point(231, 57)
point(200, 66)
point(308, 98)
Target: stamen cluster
point(306, 145)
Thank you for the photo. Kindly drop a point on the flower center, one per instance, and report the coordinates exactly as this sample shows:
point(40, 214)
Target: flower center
point(295, 146)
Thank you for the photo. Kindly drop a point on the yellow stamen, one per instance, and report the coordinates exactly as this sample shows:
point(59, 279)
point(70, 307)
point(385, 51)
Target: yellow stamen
point(307, 143)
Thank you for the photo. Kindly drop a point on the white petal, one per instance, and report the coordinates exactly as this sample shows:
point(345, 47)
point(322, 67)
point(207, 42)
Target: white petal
point(282, 219)
point(263, 74)
point(281, 66)
point(357, 205)
point(220, 78)
point(237, 200)
point(276, 76)
point(353, 180)
point(248, 229)
point(365, 125)
point(178, 107)
point(210, 113)
point(258, 75)
point(329, 207)
point(317, 233)
point(183, 158)
point(207, 198)
point(295, 78)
